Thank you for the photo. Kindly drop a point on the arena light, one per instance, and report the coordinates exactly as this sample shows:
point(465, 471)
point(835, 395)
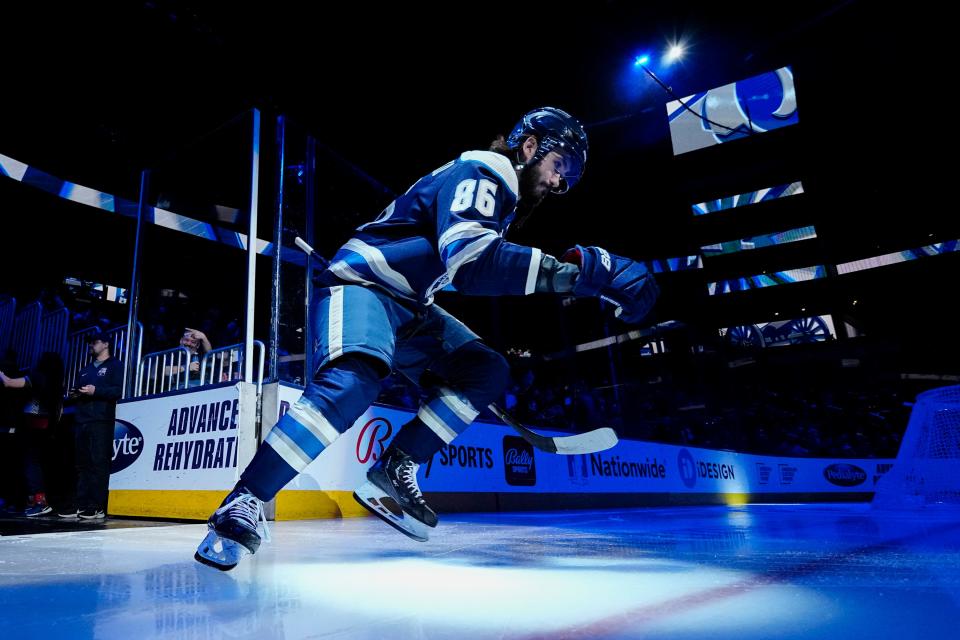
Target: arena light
point(674, 53)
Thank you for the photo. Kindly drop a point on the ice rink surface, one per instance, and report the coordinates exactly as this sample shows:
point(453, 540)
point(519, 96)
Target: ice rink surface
point(704, 573)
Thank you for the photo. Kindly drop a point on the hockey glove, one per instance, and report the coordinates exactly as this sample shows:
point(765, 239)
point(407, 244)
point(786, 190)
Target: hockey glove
point(624, 283)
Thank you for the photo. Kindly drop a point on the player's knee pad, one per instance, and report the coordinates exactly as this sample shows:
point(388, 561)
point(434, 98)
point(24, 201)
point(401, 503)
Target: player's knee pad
point(467, 381)
point(477, 372)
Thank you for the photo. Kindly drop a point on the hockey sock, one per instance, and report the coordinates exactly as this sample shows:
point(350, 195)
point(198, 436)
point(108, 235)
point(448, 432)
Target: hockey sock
point(339, 394)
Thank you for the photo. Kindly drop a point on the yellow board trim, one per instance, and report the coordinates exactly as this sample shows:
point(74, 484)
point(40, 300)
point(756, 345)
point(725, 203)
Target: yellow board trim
point(189, 505)
point(198, 505)
point(304, 505)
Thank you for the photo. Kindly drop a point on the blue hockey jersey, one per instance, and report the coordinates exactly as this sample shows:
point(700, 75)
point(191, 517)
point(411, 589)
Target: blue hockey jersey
point(448, 227)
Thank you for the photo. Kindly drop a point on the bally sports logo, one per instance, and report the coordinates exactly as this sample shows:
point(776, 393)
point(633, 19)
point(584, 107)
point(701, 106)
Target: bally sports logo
point(127, 445)
point(373, 440)
point(844, 475)
point(518, 462)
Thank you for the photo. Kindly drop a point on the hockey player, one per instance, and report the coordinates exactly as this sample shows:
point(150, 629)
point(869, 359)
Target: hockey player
point(375, 313)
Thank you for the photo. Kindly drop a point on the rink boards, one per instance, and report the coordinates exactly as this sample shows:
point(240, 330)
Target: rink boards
point(177, 455)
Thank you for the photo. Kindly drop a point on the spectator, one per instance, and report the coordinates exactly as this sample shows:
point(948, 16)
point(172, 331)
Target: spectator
point(99, 386)
point(197, 343)
point(11, 481)
point(44, 404)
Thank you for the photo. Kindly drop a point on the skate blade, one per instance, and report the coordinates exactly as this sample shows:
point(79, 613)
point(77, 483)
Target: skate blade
point(220, 553)
point(371, 497)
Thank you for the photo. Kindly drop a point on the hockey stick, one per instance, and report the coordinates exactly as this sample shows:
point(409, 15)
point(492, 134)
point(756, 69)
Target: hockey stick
point(310, 251)
point(589, 442)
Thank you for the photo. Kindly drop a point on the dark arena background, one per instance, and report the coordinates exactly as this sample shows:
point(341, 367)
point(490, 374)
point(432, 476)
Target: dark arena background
point(788, 415)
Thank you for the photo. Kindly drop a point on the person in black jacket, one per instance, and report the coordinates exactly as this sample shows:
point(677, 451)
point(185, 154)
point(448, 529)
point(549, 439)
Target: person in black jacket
point(97, 390)
point(38, 420)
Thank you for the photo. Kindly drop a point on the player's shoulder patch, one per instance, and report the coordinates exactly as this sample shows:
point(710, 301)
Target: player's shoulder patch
point(497, 163)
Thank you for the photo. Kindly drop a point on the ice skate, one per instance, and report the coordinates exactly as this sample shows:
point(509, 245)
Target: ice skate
point(391, 493)
point(234, 531)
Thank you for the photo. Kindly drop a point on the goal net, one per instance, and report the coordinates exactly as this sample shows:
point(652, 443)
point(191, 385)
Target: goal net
point(927, 468)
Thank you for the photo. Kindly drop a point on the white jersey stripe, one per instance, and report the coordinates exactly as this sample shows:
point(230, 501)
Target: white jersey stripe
point(533, 271)
point(344, 271)
point(469, 253)
point(463, 230)
point(378, 264)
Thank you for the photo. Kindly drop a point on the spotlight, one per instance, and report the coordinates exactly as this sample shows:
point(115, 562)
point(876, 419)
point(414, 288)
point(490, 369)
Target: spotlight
point(674, 53)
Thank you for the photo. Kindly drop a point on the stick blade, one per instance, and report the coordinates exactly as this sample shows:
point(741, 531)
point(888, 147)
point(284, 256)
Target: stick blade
point(590, 442)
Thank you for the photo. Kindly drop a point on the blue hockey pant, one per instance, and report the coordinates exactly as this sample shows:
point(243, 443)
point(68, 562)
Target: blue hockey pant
point(360, 336)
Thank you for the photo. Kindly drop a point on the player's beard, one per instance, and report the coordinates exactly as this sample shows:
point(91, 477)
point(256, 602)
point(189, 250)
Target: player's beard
point(529, 198)
point(529, 183)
